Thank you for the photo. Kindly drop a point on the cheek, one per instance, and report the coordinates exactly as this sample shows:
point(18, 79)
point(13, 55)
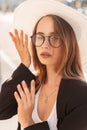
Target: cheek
point(58, 54)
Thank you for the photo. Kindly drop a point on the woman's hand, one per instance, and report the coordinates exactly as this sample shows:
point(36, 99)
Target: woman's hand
point(25, 100)
point(21, 43)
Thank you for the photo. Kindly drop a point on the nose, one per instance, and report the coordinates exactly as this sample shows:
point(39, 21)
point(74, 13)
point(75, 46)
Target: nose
point(46, 42)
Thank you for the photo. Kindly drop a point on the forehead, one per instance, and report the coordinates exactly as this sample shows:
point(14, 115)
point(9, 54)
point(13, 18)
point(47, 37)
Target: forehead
point(46, 24)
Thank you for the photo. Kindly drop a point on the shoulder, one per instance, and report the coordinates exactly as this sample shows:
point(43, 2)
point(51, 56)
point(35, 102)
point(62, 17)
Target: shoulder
point(72, 104)
point(74, 82)
point(73, 85)
point(72, 93)
point(74, 88)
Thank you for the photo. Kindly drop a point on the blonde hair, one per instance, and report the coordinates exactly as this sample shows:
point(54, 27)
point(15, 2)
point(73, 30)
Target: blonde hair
point(71, 67)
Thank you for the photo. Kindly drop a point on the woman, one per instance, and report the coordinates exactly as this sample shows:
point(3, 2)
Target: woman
point(60, 101)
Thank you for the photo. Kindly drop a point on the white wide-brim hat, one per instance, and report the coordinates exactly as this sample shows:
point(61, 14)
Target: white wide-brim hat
point(29, 12)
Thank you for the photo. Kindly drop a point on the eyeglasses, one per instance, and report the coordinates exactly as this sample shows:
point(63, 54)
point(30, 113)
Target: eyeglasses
point(38, 40)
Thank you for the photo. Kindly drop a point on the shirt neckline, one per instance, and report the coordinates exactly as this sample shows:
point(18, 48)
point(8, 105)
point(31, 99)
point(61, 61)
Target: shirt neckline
point(54, 106)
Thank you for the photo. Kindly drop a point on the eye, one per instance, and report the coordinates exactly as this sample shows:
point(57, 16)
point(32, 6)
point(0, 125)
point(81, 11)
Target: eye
point(54, 37)
point(39, 37)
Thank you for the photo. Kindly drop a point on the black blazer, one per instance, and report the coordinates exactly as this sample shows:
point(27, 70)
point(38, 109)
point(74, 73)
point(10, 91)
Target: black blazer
point(71, 104)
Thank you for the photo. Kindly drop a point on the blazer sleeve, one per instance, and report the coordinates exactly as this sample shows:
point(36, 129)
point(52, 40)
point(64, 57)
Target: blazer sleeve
point(8, 105)
point(39, 126)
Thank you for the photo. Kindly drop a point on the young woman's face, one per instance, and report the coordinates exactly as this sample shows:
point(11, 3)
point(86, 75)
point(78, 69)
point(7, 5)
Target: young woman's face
point(47, 54)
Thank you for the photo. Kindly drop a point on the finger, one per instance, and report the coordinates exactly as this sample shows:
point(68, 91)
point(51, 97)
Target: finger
point(33, 89)
point(21, 36)
point(17, 97)
point(12, 36)
point(13, 39)
point(26, 40)
point(25, 88)
point(27, 92)
point(21, 92)
point(17, 36)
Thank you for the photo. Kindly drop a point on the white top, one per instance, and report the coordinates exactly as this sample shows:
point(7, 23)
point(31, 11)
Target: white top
point(52, 119)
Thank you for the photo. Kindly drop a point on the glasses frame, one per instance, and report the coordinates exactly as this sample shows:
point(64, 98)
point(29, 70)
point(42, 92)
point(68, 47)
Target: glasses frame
point(44, 38)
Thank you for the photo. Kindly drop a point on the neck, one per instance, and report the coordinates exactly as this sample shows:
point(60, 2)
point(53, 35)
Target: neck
point(53, 77)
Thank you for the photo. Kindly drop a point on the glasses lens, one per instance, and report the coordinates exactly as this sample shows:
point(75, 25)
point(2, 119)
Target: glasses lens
point(37, 39)
point(54, 41)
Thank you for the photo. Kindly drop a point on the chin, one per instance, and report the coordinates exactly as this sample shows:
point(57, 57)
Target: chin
point(45, 61)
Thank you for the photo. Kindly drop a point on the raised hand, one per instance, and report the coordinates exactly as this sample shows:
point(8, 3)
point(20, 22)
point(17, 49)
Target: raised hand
point(21, 43)
point(26, 101)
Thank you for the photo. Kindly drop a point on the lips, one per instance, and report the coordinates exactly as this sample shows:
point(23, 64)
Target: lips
point(45, 54)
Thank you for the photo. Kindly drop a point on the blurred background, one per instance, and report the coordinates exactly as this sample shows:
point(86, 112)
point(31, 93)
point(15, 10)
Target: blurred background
point(9, 5)
point(9, 58)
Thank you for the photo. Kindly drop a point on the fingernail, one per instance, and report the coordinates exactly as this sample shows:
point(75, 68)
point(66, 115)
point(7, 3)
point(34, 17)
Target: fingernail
point(23, 81)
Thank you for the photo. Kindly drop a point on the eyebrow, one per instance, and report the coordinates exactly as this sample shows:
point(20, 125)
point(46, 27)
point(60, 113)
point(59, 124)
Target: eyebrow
point(51, 33)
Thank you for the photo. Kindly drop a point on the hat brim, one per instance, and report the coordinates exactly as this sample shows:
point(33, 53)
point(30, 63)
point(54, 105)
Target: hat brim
point(29, 12)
